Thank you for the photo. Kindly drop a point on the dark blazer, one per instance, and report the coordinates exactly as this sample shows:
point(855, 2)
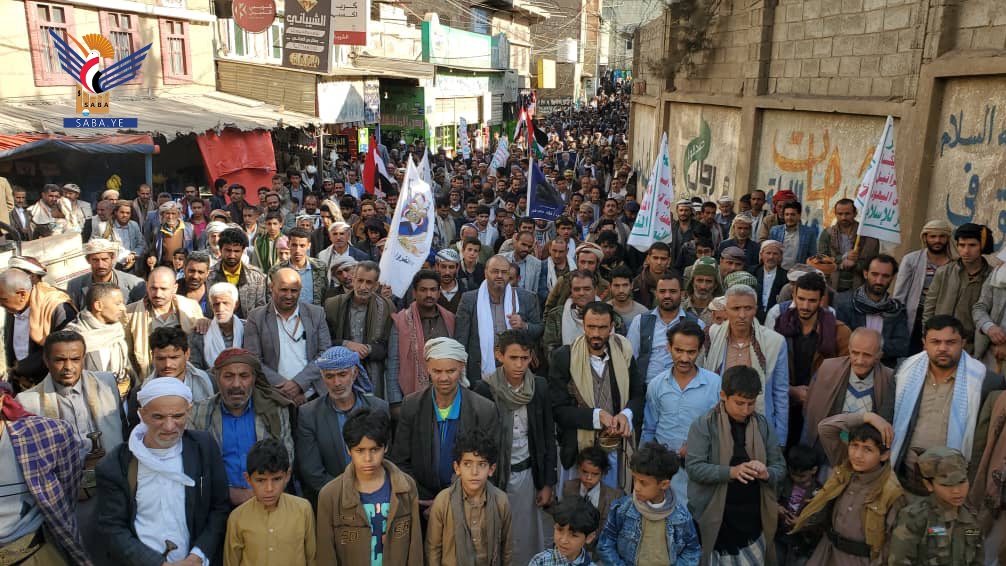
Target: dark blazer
point(321, 452)
point(262, 339)
point(207, 504)
point(896, 332)
point(541, 432)
point(22, 228)
point(412, 450)
point(570, 416)
point(466, 329)
point(777, 285)
point(32, 367)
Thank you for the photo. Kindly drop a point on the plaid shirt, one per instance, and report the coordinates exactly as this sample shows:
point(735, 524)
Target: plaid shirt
point(49, 454)
point(553, 557)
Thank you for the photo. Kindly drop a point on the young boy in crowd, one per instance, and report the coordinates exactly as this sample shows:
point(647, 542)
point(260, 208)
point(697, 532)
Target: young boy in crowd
point(640, 526)
point(862, 496)
point(938, 530)
point(592, 463)
point(576, 524)
point(370, 513)
point(734, 465)
point(799, 486)
point(272, 523)
point(470, 520)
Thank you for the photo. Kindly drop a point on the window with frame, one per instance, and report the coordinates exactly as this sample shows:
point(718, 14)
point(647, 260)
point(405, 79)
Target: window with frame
point(628, 44)
point(251, 45)
point(43, 17)
point(176, 59)
point(122, 30)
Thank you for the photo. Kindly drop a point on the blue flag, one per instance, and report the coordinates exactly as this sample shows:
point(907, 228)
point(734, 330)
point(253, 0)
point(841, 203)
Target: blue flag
point(543, 200)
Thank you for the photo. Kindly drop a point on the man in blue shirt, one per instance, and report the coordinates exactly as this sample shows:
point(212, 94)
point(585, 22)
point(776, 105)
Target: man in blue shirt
point(679, 395)
point(648, 332)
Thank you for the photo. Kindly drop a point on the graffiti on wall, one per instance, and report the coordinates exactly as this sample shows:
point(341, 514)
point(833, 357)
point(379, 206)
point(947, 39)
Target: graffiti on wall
point(969, 174)
point(702, 143)
point(820, 157)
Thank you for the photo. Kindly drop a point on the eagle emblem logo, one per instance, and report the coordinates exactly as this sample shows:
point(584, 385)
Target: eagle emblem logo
point(93, 82)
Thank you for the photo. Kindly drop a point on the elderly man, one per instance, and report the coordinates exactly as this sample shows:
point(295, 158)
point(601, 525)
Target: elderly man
point(45, 497)
point(597, 392)
point(649, 332)
point(492, 308)
point(321, 452)
point(939, 394)
point(529, 266)
point(338, 234)
point(564, 323)
point(33, 311)
point(163, 495)
point(101, 224)
point(100, 324)
point(851, 251)
point(361, 321)
point(871, 306)
point(411, 328)
point(431, 418)
point(246, 409)
point(101, 255)
point(287, 335)
point(917, 271)
point(451, 288)
point(225, 331)
point(89, 402)
point(741, 238)
point(171, 234)
point(250, 281)
point(742, 341)
point(857, 383)
point(161, 307)
point(771, 278)
point(313, 273)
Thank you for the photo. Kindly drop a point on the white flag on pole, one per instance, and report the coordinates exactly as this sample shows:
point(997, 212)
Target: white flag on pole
point(653, 224)
point(501, 155)
point(411, 234)
point(877, 196)
point(424, 168)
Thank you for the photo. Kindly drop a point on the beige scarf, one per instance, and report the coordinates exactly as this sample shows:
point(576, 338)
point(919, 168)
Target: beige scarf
point(140, 323)
point(43, 301)
point(620, 351)
point(509, 400)
point(112, 337)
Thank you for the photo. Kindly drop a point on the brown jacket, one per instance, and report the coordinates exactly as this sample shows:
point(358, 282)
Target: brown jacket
point(344, 529)
point(826, 395)
point(441, 544)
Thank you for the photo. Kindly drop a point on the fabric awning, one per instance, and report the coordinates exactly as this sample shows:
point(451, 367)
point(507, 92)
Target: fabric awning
point(171, 115)
point(25, 145)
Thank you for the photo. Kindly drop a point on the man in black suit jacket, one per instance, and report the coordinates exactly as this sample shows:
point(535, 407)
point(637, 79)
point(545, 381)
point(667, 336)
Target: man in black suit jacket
point(576, 418)
point(424, 442)
point(132, 498)
point(771, 272)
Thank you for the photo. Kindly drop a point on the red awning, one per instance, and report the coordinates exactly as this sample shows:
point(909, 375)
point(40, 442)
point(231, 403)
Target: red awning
point(246, 158)
point(22, 145)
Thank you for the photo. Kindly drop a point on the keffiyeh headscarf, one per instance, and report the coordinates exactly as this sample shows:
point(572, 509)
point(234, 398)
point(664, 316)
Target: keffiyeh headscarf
point(340, 357)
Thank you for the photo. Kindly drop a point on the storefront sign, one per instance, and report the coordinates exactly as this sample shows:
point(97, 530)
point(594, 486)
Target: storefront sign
point(547, 106)
point(444, 45)
point(456, 85)
point(307, 34)
point(363, 140)
point(349, 21)
point(372, 101)
point(341, 102)
point(254, 16)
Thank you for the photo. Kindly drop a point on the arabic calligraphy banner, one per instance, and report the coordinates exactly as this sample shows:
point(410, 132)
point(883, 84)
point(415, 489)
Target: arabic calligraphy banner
point(349, 21)
point(307, 35)
point(877, 197)
point(653, 224)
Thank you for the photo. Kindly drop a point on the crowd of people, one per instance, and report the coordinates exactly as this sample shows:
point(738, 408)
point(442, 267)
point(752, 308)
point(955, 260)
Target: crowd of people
point(232, 384)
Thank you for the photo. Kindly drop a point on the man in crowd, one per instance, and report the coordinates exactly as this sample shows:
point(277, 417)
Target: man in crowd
point(338, 234)
point(957, 286)
point(46, 213)
point(448, 261)
point(100, 255)
point(287, 335)
point(172, 233)
point(851, 251)
point(725, 217)
point(142, 205)
point(564, 323)
point(361, 321)
point(917, 271)
point(313, 273)
point(89, 402)
point(620, 293)
point(681, 229)
point(161, 307)
point(34, 310)
point(939, 395)
point(742, 341)
point(171, 357)
point(20, 219)
point(658, 260)
point(799, 241)
point(237, 206)
point(701, 288)
point(431, 418)
point(250, 281)
point(870, 305)
point(741, 238)
point(597, 392)
point(758, 214)
point(128, 234)
point(649, 332)
point(246, 409)
point(107, 346)
point(265, 254)
point(195, 270)
point(493, 307)
point(225, 331)
point(99, 225)
point(411, 328)
point(527, 264)
point(732, 260)
point(48, 494)
point(322, 454)
point(177, 511)
point(771, 278)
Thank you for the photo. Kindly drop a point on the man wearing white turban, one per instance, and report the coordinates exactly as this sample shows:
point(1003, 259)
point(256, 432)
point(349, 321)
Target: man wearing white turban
point(101, 254)
point(163, 495)
point(431, 418)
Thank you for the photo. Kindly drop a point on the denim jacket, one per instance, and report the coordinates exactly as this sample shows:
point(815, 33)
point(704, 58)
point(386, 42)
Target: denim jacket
point(623, 531)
